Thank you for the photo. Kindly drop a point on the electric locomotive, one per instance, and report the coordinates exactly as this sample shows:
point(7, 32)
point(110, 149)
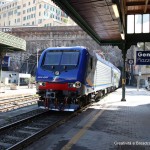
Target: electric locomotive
point(67, 78)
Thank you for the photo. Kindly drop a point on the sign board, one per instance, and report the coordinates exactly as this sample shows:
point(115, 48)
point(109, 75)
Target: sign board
point(130, 61)
point(6, 61)
point(142, 57)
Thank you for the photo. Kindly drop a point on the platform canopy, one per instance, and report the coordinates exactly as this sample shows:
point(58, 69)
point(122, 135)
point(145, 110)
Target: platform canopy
point(9, 42)
point(106, 21)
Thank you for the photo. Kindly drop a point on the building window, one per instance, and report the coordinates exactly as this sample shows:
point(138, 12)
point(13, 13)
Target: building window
point(4, 15)
point(28, 17)
point(39, 13)
point(24, 12)
point(18, 20)
point(40, 6)
point(32, 22)
point(33, 1)
point(15, 11)
point(40, 21)
point(19, 13)
point(18, 7)
point(29, 3)
point(24, 5)
point(24, 18)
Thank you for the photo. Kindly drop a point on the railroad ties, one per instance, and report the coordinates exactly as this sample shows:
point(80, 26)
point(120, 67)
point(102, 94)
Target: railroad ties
point(17, 101)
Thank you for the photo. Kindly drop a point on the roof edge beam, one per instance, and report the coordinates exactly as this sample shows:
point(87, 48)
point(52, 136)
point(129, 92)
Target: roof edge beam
point(136, 3)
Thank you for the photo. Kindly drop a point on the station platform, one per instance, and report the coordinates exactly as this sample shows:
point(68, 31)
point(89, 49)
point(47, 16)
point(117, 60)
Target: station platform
point(20, 90)
point(107, 125)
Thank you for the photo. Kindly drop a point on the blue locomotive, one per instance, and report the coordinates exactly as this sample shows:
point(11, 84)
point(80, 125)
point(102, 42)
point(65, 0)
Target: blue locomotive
point(67, 78)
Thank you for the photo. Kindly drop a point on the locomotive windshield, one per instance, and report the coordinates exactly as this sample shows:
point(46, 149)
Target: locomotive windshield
point(69, 58)
point(52, 58)
point(61, 58)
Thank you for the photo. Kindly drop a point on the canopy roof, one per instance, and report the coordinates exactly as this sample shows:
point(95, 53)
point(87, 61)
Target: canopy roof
point(98, 18)
point(11, 43)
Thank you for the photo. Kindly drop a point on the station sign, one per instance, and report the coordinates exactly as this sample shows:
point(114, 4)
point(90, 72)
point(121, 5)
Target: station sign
point(6, 61)
point(142, 57)
point(130, 61)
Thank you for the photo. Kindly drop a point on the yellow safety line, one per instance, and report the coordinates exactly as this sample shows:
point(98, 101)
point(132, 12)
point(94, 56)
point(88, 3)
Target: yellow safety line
point(81, 132)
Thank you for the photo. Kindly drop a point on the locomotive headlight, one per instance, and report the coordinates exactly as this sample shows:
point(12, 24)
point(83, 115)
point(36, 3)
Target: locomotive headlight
point(41, 83)
point(77, 84)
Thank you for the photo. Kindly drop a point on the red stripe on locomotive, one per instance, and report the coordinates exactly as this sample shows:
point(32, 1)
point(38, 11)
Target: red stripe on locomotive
point(57, 86)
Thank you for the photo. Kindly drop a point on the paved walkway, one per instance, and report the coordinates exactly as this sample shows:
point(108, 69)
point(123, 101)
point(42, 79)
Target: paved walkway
point(107, 125)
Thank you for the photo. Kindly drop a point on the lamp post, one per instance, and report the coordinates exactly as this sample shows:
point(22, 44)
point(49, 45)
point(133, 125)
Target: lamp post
point(37, 57)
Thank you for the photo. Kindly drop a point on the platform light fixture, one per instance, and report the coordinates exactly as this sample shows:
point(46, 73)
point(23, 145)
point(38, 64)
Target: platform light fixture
point(115, 9)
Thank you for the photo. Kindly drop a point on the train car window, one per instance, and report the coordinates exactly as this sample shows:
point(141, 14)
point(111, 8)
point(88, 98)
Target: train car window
point(70, 58)
point(52, 58)
point(91, 63)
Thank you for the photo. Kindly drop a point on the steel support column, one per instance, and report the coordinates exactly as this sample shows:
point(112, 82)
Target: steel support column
point(124, 52)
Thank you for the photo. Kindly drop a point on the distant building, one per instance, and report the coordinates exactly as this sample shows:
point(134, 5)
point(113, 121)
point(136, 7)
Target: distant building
point(2, 2)
point(32, 13)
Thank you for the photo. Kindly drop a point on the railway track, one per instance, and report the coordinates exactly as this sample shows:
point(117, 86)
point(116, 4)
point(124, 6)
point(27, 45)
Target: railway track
point(18, 101)
point(21, 116)
point(21, 133)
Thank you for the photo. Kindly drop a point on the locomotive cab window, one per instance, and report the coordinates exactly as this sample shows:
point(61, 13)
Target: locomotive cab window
point(52, 58)
point(70, 58)
point(60, 60)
